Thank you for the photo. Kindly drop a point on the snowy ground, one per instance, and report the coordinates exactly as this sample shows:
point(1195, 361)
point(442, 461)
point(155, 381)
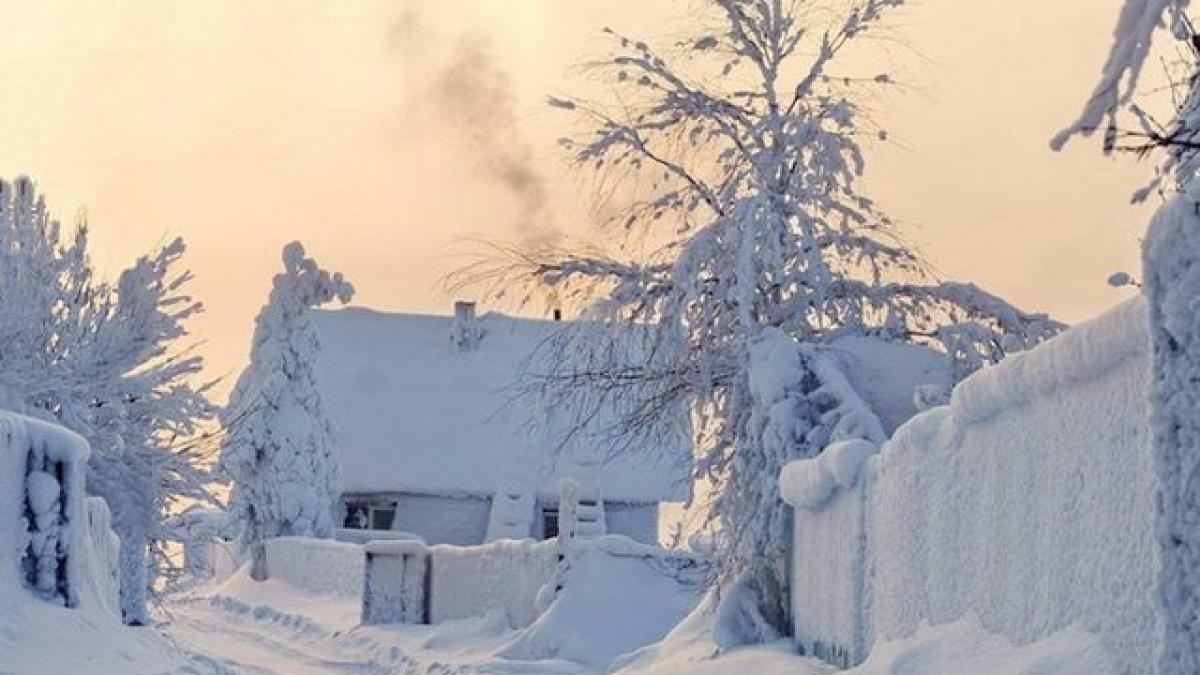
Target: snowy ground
point(243, 627)
point(261, 628)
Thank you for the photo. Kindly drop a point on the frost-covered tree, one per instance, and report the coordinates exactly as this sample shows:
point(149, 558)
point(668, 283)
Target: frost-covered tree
point(738, 149)
point(279, 451)
point(104, 360)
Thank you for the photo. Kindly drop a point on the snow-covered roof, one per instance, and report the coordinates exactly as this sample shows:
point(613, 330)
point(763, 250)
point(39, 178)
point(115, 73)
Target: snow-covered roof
point(412, 413)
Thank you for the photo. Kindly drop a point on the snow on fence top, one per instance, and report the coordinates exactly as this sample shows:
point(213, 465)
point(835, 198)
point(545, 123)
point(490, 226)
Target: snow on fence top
point(1083, 353)
point(413, 412)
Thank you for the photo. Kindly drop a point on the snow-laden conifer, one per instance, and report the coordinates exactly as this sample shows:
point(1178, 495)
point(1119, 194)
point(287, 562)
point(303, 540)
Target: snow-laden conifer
point(279, 451)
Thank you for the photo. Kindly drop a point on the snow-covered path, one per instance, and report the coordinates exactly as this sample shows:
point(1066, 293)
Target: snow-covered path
point(244, 645)
point(300, 635)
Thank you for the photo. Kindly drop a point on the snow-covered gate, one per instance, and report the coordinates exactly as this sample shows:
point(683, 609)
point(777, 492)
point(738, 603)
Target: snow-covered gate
point(409, 582)
point(1029, 502)
point(53, 534)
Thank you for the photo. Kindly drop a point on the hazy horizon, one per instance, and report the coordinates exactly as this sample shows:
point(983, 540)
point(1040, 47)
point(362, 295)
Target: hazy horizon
point(241, 127)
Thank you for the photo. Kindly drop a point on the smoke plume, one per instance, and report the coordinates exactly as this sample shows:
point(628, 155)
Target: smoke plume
point(464, 89)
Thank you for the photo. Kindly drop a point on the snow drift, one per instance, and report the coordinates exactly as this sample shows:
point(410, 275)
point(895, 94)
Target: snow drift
point(617, 596)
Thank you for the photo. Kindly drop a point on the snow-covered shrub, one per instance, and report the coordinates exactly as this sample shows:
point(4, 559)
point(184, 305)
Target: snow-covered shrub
point(279, 452)
point(1027, 502)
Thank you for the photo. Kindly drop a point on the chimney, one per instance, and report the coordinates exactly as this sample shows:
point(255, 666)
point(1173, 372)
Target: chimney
point(465, 332)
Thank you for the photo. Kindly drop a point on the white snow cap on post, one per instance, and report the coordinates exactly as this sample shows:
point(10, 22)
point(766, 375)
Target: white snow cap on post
point(465, 332)
point(810, 483)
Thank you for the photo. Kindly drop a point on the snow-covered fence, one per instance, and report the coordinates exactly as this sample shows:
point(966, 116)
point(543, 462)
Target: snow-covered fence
point(408, 582)
point(43, 509)
point(396, 582)
point(356, 536)
point(211, 558)
point(319, 565)
point(102, 555)
point(504, 575)
point(1028, 502)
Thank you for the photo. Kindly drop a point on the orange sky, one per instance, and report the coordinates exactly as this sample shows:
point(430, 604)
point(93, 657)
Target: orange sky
point(242, 125)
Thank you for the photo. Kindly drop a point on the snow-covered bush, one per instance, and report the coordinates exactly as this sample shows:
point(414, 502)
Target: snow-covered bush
point(279, 451)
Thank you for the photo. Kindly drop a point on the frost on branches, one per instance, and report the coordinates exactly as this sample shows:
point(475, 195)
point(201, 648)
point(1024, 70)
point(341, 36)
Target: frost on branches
point(1137, 131)
point(279, 452)
point(102, 360)
point(1132, 40)
point(738, 149)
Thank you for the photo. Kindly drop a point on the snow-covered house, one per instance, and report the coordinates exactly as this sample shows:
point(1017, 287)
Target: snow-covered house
point(429, 443)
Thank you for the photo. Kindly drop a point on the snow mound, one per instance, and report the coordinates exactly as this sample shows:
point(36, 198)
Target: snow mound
point(965, 647)
point(617, 596)
point(809, 483)
point(960, 648)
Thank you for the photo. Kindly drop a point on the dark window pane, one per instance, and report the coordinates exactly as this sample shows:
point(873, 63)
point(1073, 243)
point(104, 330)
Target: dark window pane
point(383, 519)
point(549, 523)
point(357, 516)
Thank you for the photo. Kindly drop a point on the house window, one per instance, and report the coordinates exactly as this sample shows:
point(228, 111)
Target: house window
point(382, 517)
point(549, 522)
point(367, 515)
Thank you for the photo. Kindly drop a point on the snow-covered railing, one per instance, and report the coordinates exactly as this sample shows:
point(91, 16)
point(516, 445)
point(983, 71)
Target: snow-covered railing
point(43, 515)
point(1027, 502)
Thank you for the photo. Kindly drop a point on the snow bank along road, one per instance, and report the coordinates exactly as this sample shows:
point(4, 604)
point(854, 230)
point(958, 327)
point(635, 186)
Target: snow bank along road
point(244, 644)
point(237, 638)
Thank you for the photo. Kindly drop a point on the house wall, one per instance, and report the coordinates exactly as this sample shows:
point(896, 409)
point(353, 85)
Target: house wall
point(639, 522)
point(1028, 503)
point(461, 521)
